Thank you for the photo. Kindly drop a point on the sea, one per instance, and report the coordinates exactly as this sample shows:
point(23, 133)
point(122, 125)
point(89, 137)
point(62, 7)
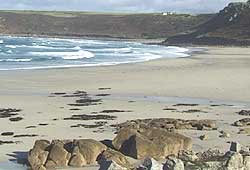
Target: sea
point(28, 53)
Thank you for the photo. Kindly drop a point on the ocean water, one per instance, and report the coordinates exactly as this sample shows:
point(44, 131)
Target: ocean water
point(42, 53)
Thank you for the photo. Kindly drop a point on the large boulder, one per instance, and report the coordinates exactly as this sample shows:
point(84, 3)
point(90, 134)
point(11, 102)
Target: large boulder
point(90, 149)
point(58, 155)
point(38, 155)
point(150, 142)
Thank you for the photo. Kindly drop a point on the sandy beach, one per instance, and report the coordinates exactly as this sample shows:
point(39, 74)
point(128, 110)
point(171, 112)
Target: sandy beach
point(219, 76)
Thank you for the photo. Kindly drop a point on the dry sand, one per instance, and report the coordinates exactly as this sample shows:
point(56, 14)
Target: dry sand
point(220, 75)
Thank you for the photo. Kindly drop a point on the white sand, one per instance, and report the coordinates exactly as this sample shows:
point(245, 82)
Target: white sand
point(220, 74)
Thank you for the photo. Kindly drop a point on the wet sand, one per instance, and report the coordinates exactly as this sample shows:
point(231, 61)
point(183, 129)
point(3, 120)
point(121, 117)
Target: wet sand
point(142, 90)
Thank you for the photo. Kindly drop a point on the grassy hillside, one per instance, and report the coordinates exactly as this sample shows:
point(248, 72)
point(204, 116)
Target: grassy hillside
point(231, 26)
point(117, 25)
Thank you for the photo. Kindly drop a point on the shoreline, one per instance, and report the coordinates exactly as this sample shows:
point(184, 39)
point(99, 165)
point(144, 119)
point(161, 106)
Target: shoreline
point(157, 41)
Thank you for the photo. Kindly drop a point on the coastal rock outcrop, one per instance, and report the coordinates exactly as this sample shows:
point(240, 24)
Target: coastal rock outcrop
point(150, 142)
point(244, 112)
point(62, 153)
point(170, 124)
point(242, 122)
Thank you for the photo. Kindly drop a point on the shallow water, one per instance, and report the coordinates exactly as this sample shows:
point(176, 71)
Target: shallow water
point(42, 53)
point(11, 166)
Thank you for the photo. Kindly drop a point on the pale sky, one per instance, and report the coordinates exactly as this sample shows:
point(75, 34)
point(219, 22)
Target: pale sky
point(181, 6)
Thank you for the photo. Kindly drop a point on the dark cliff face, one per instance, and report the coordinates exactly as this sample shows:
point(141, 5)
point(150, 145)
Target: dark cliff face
point(231, 26)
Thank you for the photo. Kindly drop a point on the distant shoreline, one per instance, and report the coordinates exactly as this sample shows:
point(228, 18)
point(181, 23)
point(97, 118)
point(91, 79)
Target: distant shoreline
point(157, 41)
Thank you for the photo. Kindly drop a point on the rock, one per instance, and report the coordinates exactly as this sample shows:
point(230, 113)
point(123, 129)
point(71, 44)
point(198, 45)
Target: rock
point(204, 137)
point(224, 134)
point(246, 162)
point(38, 155)
point(111, 165)
point(235, 147)
point(155, 143)
point(242, 122)
point(112, 155)
point(90, 149)
point(42, 144)
point(58, 155)
point(37, 158)
point(214, 165)
point(244, 112)
point(187, 156)
point(173, 163)
point(77, 160)
point(235, 161)
point(244, 131)
point(150, 164)
point(169, 124)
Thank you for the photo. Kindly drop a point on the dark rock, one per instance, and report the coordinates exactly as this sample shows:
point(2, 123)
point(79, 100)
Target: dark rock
point(15, 119)
point(91, 117)
point(6, 142)
point(169, 124)
point(104, 88)
point(7, 134)
point(110, 165)
point(186, 104)
point(150, 164)
point(25, 135)
point(6, 113)
point(242, 122)
point(244, 112)
point(115, 111)
point(235, 147)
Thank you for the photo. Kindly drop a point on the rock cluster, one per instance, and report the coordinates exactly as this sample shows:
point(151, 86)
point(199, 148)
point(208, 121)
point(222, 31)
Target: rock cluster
point(244, 112)
point(59, 153)
point(242, 122)
point(231, 160)
point(129, 142)
point(170, 124)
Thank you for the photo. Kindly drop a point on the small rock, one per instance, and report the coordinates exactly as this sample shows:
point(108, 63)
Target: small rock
point(110, 165)
point(150, 164)
point(224, 134)
point(204, 137)
point(235, 161)
point(173, 163)
point(246, 162)
point(188, 156)
point(112, 155)
point(235, 147)
point(244, 112)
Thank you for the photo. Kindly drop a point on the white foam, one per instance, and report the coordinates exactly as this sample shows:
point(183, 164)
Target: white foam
point(16, 60)
point(66, 55)
point(11, 46)
point(116, 50)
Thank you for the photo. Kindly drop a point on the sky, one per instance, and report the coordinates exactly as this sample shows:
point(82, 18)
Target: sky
point(180, 6)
